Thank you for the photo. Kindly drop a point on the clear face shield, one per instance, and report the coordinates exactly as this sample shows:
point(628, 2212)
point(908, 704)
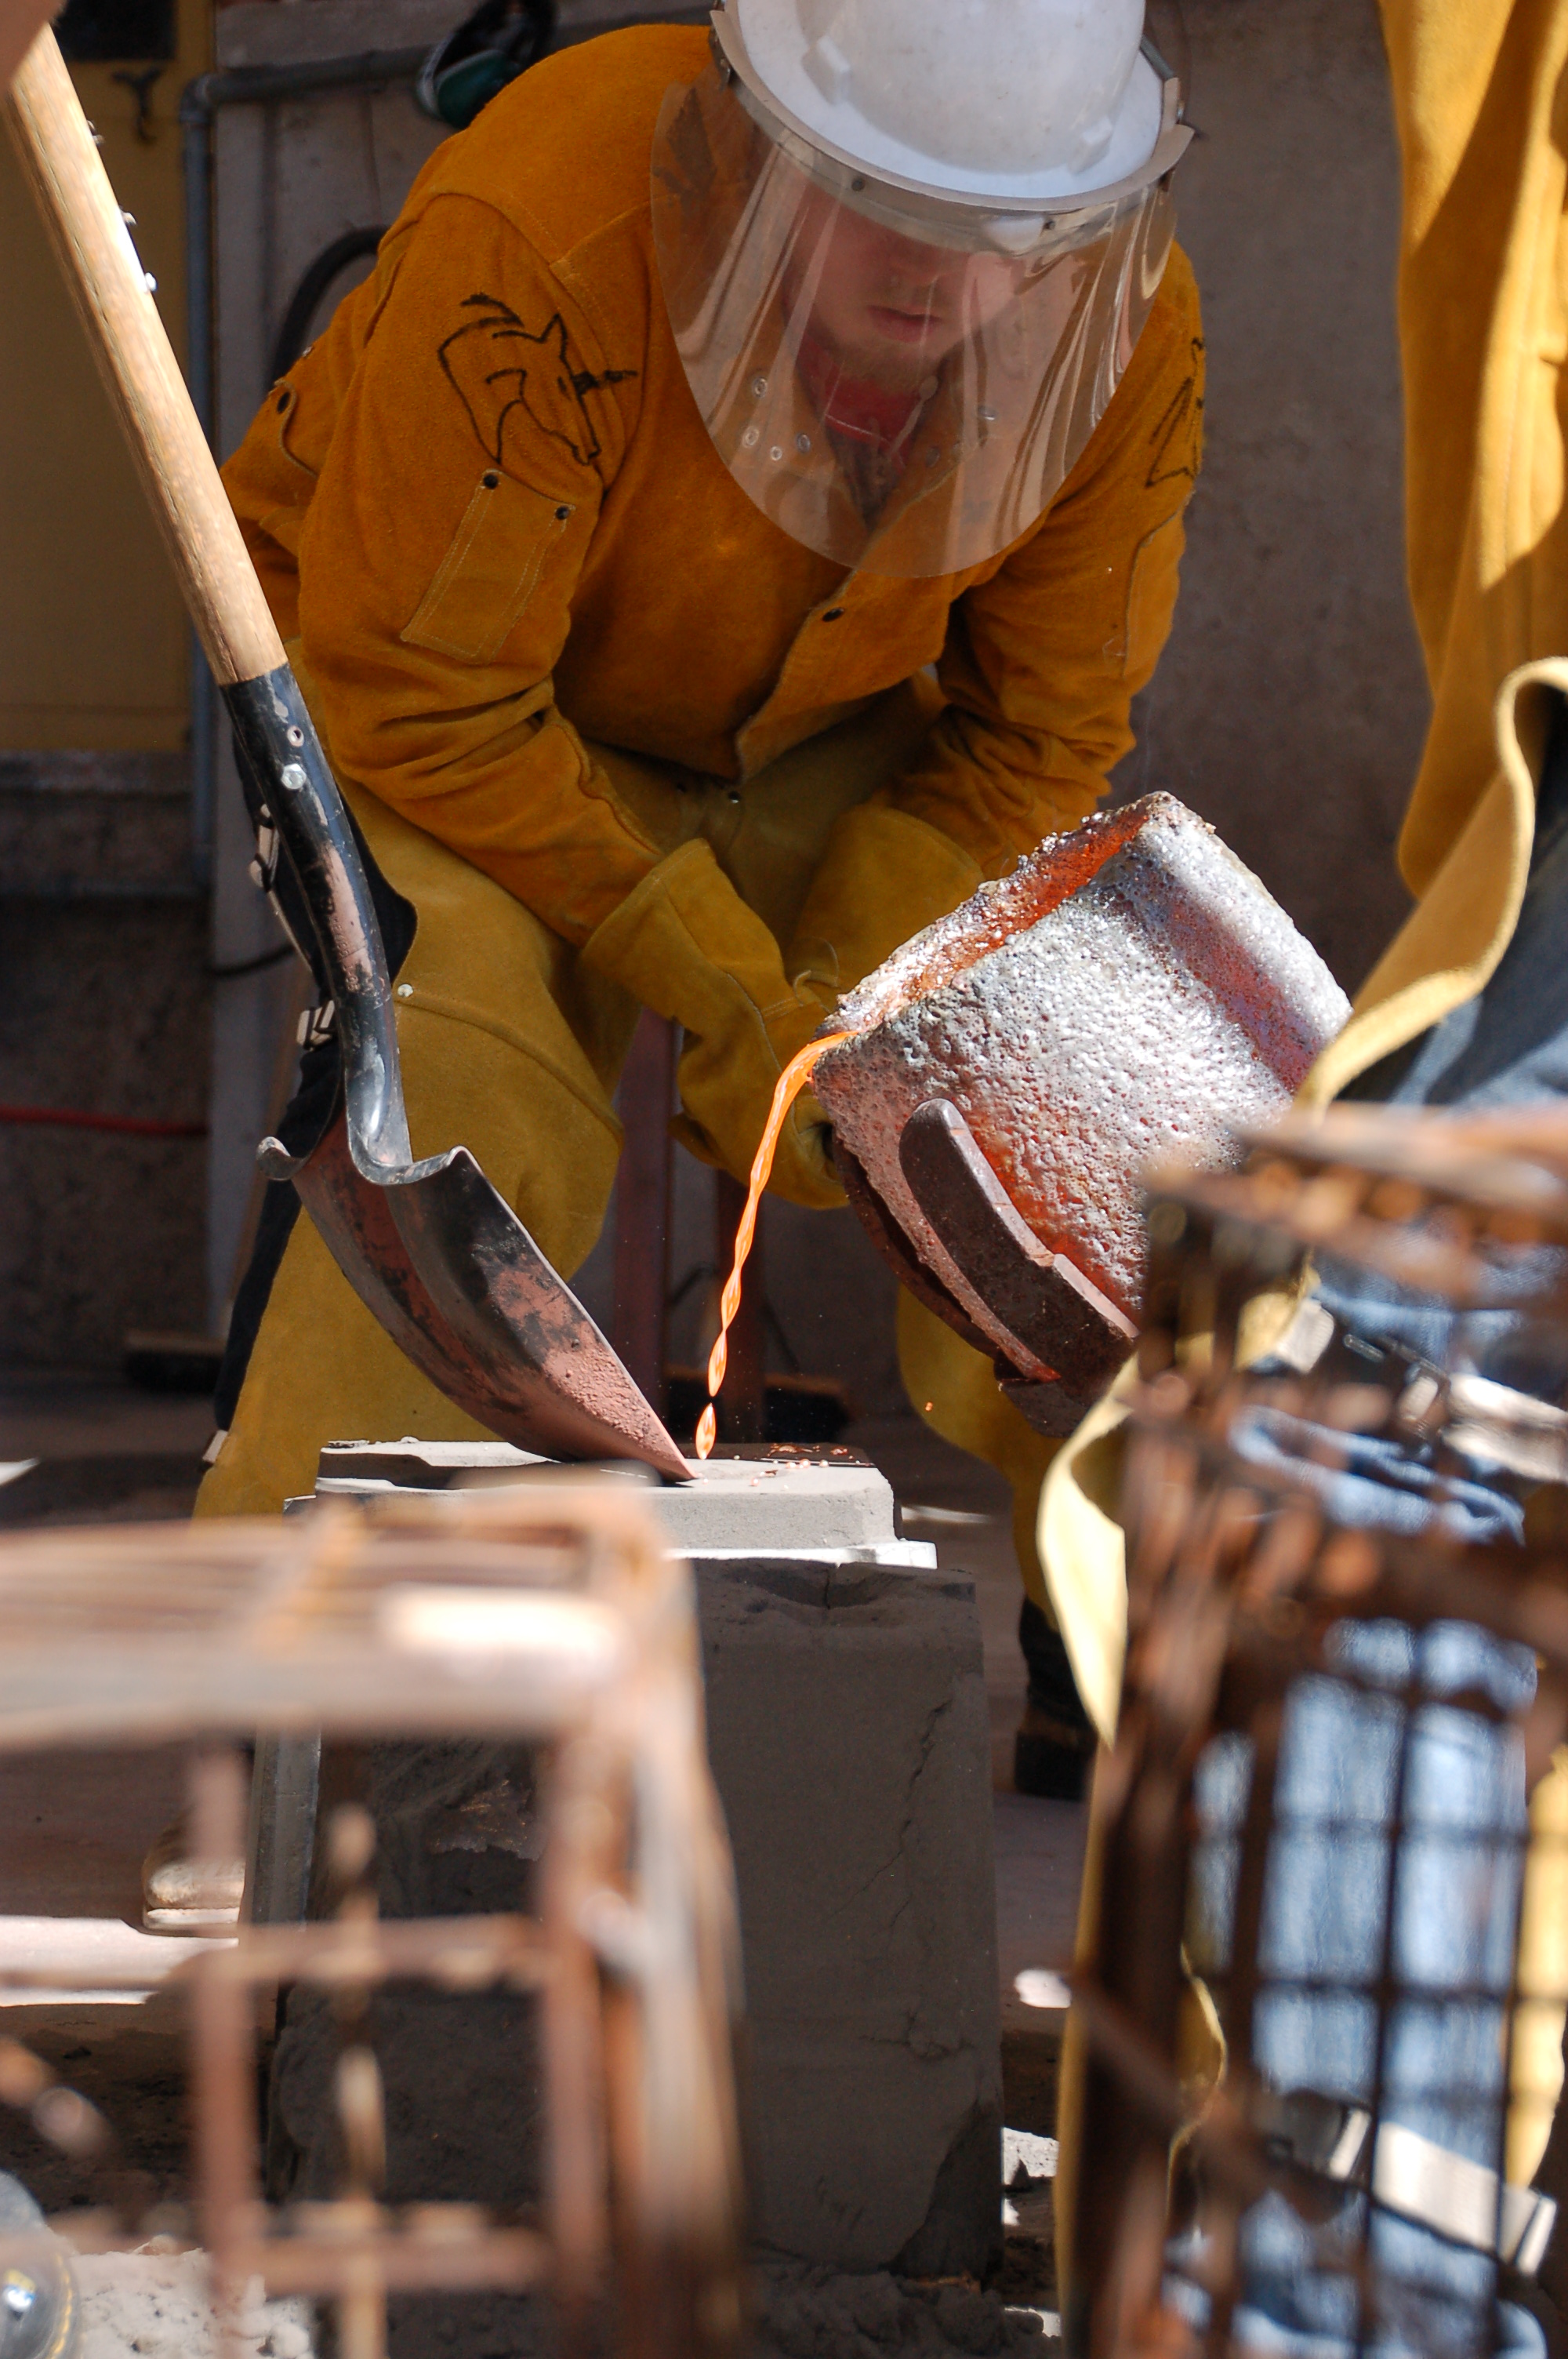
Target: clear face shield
point(900, 381)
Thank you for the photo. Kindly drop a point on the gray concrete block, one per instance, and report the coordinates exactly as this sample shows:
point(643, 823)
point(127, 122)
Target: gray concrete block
point(103, 1006)
point(849, 1739)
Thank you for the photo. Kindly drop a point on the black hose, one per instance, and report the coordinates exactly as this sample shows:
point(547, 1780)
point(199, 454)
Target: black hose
point(264, 958)
point(304, 303)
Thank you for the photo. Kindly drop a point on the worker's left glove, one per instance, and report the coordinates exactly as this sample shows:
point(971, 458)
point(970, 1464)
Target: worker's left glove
point(686, 945)
point(882, 876)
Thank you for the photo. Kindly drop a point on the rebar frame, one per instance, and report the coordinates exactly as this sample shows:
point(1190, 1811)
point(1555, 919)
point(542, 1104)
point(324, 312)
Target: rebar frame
point(1239, 1583)
point(553, 1616)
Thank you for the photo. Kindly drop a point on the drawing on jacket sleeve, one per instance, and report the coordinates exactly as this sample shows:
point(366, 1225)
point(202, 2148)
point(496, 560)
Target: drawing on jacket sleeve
point(500, 367)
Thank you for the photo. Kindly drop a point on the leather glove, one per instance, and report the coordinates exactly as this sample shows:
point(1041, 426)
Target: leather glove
point(883, 876)
point(684, 944)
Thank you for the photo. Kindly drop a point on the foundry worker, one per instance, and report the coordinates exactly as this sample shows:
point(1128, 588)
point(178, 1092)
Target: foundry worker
point(733, 521)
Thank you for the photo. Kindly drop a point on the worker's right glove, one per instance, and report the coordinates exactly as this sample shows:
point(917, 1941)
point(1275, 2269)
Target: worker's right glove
point(686, 945)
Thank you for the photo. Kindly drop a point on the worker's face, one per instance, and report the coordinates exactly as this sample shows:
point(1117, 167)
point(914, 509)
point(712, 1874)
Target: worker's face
point(890, 308)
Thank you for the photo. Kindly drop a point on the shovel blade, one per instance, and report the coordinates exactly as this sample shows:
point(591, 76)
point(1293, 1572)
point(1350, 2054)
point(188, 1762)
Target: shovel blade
point(446, 1266)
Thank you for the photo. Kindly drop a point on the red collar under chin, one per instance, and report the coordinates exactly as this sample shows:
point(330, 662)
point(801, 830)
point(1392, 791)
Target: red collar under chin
point(850, 407)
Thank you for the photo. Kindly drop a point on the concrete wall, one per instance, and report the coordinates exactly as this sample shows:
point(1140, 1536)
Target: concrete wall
point(94, 640)
point(1291, 702)
point(102, 1006)
point(104, 985)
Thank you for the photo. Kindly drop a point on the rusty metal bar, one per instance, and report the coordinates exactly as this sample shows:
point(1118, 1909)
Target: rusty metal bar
point(1237, 1579)
point(224, 2126)
point(558, 1618)
point(513, 2259)
point(640, 1321)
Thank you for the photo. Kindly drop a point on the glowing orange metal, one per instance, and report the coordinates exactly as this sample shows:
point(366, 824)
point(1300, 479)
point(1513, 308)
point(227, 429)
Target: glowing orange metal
point(787, 1088)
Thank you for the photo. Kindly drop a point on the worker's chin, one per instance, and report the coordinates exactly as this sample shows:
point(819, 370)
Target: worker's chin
point(904, 365)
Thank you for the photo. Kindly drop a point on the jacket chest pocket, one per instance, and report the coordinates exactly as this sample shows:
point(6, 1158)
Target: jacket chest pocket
point(289, 476)
point(489, 573)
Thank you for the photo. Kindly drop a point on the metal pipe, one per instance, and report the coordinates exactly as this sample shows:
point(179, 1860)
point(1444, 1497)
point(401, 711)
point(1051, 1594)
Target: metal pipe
point(255, 86)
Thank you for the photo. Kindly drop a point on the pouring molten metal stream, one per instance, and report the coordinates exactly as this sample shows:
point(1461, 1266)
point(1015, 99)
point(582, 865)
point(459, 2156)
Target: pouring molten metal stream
point(786, 1089)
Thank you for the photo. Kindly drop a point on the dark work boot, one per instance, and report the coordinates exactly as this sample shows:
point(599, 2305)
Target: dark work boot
point(1056, 1744)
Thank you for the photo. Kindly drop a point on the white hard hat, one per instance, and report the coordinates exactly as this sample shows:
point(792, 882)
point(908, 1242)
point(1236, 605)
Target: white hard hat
point(1044, 99)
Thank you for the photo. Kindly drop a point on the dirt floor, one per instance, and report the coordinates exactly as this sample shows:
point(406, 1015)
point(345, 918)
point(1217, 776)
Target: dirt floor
point(73, 1829)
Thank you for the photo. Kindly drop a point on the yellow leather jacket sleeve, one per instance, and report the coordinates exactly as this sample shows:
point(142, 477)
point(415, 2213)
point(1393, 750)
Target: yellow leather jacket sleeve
point(461, 466)
point(1040, 679)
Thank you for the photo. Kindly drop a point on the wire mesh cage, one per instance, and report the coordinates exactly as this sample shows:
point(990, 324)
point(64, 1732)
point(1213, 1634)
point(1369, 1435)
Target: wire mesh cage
point(552, 1614)
point(1325, 1954)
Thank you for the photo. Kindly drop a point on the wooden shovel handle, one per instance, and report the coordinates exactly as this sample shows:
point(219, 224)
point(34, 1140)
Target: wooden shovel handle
point(51, 136)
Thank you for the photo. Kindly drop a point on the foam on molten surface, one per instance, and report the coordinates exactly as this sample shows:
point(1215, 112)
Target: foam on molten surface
point(1130, 992)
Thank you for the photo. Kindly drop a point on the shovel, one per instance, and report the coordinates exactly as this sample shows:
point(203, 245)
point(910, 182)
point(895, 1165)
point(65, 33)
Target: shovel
point(434, 1252)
